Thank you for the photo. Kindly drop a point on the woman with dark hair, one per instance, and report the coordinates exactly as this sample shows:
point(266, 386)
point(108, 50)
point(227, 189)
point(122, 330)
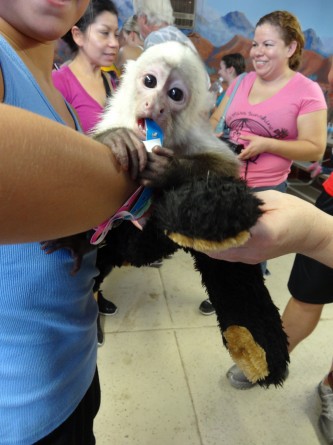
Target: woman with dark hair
point(231, 66)
point(94, 41)
point(277, 115)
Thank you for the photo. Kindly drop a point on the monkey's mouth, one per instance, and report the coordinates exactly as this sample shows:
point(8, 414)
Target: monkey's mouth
point(142, 127)
point(150, 130)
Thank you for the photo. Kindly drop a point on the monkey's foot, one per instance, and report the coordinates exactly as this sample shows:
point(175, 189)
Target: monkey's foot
point(204, 245)
point(246, 353)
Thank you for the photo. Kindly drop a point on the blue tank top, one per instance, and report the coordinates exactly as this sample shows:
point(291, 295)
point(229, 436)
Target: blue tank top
point(48, 336)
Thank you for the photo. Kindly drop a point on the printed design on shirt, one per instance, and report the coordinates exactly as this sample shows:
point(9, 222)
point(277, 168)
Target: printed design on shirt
point(248, 125)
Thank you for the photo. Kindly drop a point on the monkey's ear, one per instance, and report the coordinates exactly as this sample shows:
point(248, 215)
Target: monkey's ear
point(128, 66)
point(130, 63)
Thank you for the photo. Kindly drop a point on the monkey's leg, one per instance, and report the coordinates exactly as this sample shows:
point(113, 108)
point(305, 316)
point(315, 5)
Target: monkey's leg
point(208, 213)
point(249, 321)
point(215, 210)
point(128, 244)
point(77, 244)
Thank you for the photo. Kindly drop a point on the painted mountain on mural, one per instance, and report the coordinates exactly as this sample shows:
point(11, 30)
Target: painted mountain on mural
point(222, 29)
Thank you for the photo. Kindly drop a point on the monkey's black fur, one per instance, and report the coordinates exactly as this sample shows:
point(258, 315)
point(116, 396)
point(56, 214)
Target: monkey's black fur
point(195, 201)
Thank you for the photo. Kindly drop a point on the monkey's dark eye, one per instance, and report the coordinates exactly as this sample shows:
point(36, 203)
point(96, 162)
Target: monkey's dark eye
point(176, 94)
point(150, 81)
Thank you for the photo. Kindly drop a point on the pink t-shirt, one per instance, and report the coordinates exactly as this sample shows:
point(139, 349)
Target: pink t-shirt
point(88, 110)
point(276, 118)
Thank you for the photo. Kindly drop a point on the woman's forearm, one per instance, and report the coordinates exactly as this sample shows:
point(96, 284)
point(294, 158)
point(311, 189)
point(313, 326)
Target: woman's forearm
point(298, 150)
point(319, 244)
point(311, 140)
point(53, 180)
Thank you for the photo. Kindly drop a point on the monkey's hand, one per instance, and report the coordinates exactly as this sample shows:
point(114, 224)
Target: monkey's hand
point(159, 161)
point(127, 148)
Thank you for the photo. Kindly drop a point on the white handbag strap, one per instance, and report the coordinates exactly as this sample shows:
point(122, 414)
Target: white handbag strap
point(239, 79)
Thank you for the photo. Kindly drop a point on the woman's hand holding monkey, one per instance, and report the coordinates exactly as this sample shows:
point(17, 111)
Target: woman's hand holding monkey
point(288, 224)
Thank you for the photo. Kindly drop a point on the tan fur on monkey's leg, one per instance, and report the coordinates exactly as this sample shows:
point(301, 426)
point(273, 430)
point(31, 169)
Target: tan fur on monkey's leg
point(204, 245)
point(246, 353)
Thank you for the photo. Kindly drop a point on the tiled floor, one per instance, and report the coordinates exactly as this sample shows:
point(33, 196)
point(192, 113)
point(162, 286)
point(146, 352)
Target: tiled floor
point(162, 368)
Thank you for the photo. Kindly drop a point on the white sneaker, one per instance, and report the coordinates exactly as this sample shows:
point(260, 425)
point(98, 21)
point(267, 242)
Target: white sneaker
point(238, 380)
point(326, 416)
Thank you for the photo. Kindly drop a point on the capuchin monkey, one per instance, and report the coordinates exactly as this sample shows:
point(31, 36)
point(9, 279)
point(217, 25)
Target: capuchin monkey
point(168, 84)
point(199, 202)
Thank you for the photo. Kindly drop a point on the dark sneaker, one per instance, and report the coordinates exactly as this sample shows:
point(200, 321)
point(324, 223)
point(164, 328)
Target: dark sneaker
point(105, 307)
point(100, 333)
point(238, 380)
point(326, 416)
point(206, 307)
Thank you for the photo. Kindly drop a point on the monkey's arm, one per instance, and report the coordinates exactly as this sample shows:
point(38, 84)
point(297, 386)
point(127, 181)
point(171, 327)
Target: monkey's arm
point(128, 244)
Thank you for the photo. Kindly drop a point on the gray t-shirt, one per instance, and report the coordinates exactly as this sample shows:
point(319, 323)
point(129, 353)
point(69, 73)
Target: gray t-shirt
point(166, 34)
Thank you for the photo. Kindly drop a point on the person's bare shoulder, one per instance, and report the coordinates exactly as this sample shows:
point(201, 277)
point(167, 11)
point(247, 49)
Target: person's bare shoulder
point(128, 52)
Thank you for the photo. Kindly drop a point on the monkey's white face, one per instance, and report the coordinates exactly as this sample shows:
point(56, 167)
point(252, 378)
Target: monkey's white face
point(161, 94)
point(167, 84)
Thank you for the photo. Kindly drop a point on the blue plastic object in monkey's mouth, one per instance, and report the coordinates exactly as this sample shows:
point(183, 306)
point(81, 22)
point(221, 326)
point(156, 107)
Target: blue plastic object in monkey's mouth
point(154, 134)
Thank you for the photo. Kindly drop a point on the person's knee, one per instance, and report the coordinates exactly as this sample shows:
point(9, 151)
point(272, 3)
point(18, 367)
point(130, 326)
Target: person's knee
point(296, 306)
point(309, 308)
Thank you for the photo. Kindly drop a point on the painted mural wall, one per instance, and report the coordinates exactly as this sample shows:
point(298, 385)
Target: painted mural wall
point(223, 27)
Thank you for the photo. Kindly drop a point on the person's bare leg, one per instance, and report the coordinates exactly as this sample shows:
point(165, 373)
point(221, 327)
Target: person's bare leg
point(299, 320)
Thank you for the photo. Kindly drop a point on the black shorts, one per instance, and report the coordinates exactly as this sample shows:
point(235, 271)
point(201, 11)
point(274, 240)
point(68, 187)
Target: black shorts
point(78, 428)
point(311, 281)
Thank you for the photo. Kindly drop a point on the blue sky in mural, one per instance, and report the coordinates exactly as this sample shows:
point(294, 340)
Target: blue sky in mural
point(317, 15)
